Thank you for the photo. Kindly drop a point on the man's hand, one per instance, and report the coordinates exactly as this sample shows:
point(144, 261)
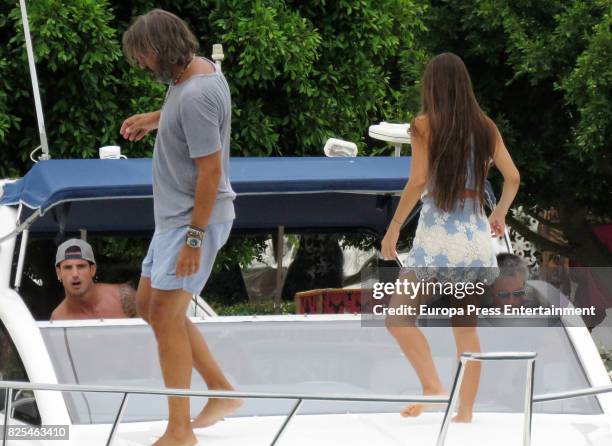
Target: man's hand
point(188, 261)
point(136, 127)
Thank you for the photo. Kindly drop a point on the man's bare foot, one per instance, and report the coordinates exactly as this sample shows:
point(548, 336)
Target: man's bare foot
point(171, 439)
point(414, 410)
point(215, 410)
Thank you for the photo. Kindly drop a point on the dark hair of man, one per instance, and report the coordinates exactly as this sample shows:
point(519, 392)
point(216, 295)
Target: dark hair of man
point(162, 35)
point(455, 120)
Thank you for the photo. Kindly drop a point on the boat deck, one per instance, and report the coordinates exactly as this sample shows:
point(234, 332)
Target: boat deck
point(387, 430)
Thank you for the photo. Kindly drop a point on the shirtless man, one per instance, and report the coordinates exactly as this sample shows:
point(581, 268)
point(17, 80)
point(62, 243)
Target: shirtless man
point(75, 266)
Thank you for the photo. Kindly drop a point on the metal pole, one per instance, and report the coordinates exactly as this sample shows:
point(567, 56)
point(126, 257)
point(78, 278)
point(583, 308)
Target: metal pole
point(7, 410)
point(507, 240)
point(528, 403)
point(454, 397)
point(398, 149)
point(280, 240)
point(543, 397)
point(281, 431)
point(35, 89)
point(113, 431)
point(21, 259)
point(225, 393)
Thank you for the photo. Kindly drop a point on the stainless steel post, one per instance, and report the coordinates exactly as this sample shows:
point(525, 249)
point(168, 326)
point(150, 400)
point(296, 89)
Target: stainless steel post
point(35, 89)
point(453, 401)
point(21, 258)
point(280, 252)
point(113, 431)
point(528, 402)
point(8, 399)
point(493, 356)
point(281, 431)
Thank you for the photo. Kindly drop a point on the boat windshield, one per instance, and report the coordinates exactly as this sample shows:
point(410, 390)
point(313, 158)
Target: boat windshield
point(297, 354)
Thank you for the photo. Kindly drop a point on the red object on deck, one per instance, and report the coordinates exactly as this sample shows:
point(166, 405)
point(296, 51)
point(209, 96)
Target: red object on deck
point(328, 301)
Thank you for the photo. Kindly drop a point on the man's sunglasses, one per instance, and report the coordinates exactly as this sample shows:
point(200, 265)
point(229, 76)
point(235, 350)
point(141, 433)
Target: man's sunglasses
point(507, 294)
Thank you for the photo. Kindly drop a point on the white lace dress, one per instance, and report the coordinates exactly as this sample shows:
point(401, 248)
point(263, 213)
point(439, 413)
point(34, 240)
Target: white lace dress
point(452, 246)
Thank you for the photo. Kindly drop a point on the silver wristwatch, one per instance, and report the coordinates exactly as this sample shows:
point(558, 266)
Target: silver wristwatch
point(195, 236)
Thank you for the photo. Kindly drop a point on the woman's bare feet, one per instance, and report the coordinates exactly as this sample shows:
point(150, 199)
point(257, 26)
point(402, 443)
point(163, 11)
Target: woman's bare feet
point(463, 415)
point(414, 410)
point(170, 439)
point(215, 410)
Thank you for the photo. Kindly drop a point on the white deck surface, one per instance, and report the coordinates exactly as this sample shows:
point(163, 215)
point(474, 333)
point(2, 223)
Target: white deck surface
point(387, 430)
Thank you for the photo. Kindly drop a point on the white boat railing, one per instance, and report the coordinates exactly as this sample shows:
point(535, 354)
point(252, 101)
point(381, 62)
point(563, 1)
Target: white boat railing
point(126, 391)
point(589, 391)
point(300, 398)
point(493, 356)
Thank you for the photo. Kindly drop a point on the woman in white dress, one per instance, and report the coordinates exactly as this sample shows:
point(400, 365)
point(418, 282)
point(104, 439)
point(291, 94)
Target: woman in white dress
point(453, 145)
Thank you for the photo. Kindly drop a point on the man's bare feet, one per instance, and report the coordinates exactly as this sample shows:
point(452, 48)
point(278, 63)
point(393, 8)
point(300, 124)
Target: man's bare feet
point(171, 439)
point(414, 410)
point(215, 410)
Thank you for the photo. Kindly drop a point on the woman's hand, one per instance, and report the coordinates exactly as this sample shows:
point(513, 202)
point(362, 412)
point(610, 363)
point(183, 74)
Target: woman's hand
point(136, 127)
point(497, 221)
point(389, 242)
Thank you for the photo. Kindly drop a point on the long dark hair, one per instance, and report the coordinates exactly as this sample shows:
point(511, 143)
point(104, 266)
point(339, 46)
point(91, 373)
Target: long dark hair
point(163, 35)
point(456, 122)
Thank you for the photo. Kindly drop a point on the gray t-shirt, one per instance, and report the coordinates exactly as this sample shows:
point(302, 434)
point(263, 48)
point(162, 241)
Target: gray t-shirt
point(195, 121)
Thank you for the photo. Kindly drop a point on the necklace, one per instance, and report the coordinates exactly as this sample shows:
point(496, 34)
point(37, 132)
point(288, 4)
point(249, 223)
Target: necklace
point(180, 75)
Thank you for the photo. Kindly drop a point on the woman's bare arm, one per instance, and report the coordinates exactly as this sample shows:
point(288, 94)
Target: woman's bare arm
point(413, 189)
point(503, 162)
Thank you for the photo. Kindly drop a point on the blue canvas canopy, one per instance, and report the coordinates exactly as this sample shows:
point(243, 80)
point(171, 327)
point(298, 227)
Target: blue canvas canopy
point(300, 193)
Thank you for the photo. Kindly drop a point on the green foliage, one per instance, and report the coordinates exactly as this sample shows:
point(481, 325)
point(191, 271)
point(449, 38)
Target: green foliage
point(240, 250)
point(245, 309)
point(606, 356)
point(76, 52)
point(543, 71)
point(119, 259)
point(301, 72)
point(563, 49)
point(87, 87)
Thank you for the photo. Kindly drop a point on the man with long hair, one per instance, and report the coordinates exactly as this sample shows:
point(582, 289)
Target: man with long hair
point(193, 207)
point(453, 145)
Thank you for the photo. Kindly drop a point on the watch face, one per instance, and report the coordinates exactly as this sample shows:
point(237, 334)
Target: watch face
point(193, 242)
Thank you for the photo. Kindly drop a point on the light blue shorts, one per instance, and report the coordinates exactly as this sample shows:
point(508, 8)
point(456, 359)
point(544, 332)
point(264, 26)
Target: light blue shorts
point(160, 262)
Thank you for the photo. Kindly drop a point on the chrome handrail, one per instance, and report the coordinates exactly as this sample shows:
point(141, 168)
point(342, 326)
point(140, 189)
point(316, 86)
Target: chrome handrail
point(11, 385)
point(571, 394)
point(530, 398)
point(224, 393)
point(492, 356)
